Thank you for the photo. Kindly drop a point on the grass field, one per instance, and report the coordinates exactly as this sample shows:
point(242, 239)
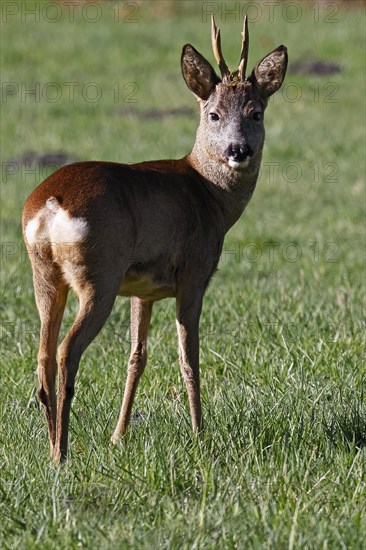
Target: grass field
point(282, 460)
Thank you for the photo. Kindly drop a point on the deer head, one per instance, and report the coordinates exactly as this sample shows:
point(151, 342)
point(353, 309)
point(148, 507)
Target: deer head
point(231, 130)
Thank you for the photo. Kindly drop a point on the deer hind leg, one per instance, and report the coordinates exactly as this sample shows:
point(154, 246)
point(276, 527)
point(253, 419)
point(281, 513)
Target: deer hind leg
point(140, 322)
point(95, 304)
point(189, 305)
point(51, 295)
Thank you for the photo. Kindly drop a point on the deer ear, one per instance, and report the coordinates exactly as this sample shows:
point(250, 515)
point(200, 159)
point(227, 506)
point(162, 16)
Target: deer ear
point(270, 72)
point(197, 72)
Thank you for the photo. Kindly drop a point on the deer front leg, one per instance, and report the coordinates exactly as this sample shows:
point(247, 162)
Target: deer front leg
point(140, 322)
point(189, 305)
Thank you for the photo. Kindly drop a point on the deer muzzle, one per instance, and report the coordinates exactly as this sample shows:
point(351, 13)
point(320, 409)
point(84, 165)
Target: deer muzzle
point(238, 155)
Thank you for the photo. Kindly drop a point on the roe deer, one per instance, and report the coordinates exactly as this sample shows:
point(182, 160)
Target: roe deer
point(150, 230)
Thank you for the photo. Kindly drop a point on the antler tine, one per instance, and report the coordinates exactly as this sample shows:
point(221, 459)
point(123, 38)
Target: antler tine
point(244, 50)
point(216, 46)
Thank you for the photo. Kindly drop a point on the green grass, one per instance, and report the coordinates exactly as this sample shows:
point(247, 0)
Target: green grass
point(282, 461)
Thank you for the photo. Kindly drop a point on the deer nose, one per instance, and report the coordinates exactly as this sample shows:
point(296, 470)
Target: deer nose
point(238, 152)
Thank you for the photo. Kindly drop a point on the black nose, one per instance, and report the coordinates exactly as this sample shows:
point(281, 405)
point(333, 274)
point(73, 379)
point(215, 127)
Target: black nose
point(238, 152)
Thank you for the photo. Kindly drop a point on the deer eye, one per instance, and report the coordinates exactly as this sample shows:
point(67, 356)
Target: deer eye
point(214, 116)
point(257, 115)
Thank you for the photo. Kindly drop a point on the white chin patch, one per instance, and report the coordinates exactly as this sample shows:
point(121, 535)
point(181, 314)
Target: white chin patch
point(238, 165)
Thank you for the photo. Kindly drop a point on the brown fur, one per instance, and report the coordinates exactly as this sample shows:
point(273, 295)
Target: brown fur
point(149, 231)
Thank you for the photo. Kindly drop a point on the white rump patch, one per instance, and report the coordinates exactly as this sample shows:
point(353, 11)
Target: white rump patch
point(31, 230)
point(36, 229)
point(65, 229)
point(54, 224)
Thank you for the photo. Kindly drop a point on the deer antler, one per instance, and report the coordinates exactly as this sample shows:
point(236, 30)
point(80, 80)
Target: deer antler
point(244, 50)
point(239, 74)
point(216, 46)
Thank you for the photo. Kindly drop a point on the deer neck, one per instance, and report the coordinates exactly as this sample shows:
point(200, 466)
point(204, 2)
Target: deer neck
point(232, 189)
